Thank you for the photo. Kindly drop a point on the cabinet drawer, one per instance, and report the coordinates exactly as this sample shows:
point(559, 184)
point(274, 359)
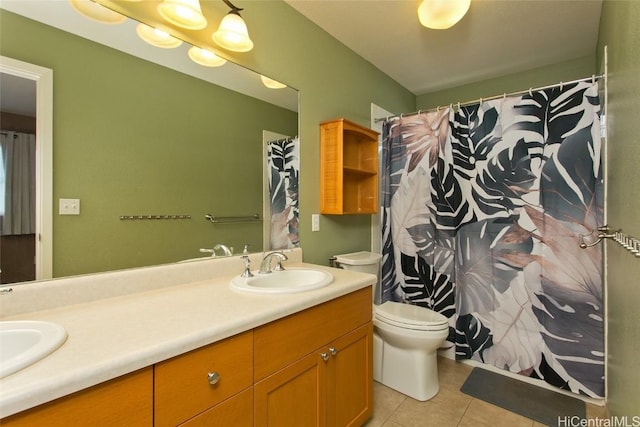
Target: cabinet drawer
point(181, 386)
point(123, 401)
point(236, 411)
point(283, 341)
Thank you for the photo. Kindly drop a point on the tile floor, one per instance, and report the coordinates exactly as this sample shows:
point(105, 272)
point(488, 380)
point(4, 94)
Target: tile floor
point(450, 407)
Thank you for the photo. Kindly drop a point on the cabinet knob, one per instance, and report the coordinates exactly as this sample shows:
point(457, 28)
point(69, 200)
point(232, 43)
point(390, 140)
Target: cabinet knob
point(333, 351)
point(213, 378)
point(325, 356)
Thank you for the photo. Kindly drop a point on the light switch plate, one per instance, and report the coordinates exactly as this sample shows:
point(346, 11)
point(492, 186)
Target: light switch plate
point(315, 222)
point(69, 207)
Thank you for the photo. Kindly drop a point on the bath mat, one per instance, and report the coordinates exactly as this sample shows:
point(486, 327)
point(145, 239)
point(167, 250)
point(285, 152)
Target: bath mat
point(528, 400)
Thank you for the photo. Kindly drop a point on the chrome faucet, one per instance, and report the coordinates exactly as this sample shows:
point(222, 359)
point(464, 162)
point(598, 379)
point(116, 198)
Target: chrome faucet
point(265, 266)
point(227, 251)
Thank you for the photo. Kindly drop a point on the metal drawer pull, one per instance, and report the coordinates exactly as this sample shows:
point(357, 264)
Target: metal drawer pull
point(213, 378)
point(324, 356)
point(333, 351)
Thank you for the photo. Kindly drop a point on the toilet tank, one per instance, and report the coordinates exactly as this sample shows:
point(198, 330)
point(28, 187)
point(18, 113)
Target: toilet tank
point(364, 262)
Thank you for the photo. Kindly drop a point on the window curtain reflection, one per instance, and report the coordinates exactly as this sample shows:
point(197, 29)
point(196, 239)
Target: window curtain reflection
point(17, 183)
point(283, 157)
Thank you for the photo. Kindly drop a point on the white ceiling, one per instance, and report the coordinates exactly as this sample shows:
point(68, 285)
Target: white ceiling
point(495, 38)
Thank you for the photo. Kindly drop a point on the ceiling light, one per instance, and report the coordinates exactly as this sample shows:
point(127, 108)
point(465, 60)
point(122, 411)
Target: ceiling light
point(157, 37)
point(205, 57)
point(232, 33)
point(442, 14)
point(272, 84)
point(97, 12)
point(183, 13)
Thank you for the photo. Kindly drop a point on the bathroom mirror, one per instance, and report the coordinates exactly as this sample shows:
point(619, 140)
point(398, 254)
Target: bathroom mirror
point(136, 139)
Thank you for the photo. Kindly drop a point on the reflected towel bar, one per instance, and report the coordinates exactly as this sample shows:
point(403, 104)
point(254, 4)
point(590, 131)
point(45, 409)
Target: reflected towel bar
point(138, 217)
point(229, 219)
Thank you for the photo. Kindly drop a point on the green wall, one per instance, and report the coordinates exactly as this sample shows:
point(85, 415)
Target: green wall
point(620, 32)
point(537, 77)
point(130, 138)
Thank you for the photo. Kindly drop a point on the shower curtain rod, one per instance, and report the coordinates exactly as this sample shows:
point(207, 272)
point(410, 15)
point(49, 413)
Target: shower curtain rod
point(593, 78)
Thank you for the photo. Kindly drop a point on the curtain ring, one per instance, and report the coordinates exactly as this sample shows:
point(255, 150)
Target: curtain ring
point(458, 105)
point(419, 112)
point(561, 85)
point(593, 78)
point(480, 101)
point(530, 92)
point(437, 109)
point(504, 96)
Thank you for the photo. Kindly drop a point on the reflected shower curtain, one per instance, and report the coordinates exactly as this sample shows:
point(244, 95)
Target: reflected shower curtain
point(482, 210)
point(283, 160)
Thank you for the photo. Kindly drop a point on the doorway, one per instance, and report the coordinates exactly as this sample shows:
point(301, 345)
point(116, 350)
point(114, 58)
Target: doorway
point(27, 106)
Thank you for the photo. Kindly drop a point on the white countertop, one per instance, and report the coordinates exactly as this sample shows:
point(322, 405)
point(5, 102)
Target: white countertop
point(113, 336)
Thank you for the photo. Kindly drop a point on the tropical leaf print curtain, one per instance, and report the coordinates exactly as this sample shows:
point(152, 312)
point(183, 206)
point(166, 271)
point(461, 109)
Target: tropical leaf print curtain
point(482, 210)
point(283, 160)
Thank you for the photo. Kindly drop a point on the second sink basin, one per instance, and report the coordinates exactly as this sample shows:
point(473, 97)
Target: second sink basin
point(288, 281)
point(24, 342)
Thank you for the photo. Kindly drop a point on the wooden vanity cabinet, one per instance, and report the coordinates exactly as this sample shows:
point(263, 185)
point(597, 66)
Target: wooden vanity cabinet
point(314, 368)
point(123, 401)
point(192, 383)
point(348, 168)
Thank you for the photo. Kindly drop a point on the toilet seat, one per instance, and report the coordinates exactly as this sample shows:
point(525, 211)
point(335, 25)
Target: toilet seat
point(410, 316)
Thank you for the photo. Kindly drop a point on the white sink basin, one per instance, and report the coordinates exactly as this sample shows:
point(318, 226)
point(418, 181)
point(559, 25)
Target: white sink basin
point(24, 342)
point(288, 281)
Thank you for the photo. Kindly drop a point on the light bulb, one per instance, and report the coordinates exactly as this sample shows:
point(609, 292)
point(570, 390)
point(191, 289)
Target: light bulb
point(97, 12)
point(442, 14)
point(272, 84)
point(232, 34)
point(157, 37)
point(205, 57)
point(183, 13)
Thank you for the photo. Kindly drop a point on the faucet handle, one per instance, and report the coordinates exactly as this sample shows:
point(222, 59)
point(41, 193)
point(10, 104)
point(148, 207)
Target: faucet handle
point(278, 266)
point(247, 267)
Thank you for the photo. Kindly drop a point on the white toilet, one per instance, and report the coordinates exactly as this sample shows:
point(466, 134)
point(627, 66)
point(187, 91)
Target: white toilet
point(406, 337)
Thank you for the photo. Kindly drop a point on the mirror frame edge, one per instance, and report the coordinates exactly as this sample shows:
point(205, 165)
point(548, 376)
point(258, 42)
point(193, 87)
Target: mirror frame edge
point(43, 78)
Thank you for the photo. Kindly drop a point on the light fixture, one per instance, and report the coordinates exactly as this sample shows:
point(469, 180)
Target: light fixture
point(232, 33)
point(272, 84)
point(157, 37)
point(442, 14)
point(205, 57)
point(97, 12)
point(183, 13)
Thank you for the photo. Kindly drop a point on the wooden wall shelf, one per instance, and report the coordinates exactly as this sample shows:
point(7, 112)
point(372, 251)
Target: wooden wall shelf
point(348, 168)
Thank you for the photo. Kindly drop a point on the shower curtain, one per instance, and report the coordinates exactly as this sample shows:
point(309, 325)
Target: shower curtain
point(482, 209)
point(283, 160)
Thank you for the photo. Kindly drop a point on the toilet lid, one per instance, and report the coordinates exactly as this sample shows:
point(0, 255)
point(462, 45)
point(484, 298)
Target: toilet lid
point(410, 316)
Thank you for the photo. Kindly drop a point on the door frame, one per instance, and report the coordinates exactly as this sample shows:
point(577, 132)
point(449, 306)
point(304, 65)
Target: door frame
point(43, 78)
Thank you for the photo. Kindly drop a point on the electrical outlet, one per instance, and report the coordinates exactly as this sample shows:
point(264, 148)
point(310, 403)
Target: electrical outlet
point(69, 207)
point(315, 222)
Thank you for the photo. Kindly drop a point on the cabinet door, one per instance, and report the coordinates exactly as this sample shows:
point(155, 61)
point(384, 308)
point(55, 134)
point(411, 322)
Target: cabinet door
point(293, 396)
point(350, 378)
point(124, 401)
